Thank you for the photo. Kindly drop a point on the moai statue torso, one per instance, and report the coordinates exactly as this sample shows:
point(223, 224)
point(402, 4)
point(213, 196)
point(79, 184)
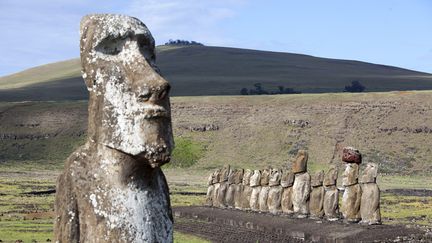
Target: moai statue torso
point(275, 193)
point(246, 190)
point(255, 184)
point(370, 199)
point(210, 190)
point(287, 182)
point(331, 195)
point(263, 196)
point(301, 187)
point(112, 188)
point(238, 189)
point(223, 188)
point(229, 197)
point(352, 195)
point(216, 182)
point(316, 203)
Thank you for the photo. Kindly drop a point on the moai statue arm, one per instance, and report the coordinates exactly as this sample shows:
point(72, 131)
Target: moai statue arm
point(66, 223)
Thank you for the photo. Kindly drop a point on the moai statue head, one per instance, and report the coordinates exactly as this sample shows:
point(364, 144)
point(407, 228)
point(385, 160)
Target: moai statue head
point(246, 177)
point(129, 106)
point(225, 172)
point(265, 177)
point(238, 176)
point(330, 178)
point(351, 155)
point(210, 179)
point(255, 178)
point(275, 177)
point(287, 179)
point(299, 165)
point(231, 176)
point(217, 176)
point(370, 173)
point(317, 179)
point(350, 175)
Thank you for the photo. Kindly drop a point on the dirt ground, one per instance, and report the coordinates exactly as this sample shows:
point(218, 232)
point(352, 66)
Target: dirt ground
point(229, 225)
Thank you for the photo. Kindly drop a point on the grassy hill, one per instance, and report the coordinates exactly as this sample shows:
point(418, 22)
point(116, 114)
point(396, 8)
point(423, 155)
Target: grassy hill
point(202, 70)
point(391, 129)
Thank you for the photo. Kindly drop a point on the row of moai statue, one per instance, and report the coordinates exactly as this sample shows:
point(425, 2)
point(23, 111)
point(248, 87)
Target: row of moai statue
point(295, 192)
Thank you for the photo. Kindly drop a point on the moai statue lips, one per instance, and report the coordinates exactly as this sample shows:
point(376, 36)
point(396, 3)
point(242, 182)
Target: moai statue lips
point(129, 107)
point(299, 165)
point(350, 175)
point(351, 155)
point(330, 178)
point(317, 179)
point(287, 179)
point(369, 173)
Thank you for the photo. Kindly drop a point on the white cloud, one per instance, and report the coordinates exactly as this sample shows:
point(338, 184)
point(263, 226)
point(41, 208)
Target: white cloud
point(186, 19)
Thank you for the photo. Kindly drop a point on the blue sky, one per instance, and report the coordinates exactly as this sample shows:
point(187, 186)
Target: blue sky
point(396, 32)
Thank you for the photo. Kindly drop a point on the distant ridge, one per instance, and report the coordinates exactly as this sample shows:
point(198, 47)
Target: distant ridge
point(204, 70)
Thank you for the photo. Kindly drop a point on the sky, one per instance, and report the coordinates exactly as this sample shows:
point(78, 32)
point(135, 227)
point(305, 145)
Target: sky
point(391, 32)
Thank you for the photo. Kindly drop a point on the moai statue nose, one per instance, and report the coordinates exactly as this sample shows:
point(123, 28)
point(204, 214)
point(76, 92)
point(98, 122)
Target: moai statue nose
point(159, 92)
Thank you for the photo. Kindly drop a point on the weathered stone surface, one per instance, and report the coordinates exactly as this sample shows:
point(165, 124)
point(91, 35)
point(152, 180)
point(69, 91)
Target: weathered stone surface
point(247, 190)
point(225, 172)
point(275, 193)
point(216, 194)
point(299, 165)
point(370, 198)
point(263, 196)
point(256, 188)
point(330, 178)
point(350, 175)
point(286, 201)
point(238, 193)
point(301, 194)
point(351, 155)
point(112, 188)
point(350, 207)
point(230, 194)
point(210, 189)
point(316, 202)
point(287, 179)
point(223, 186)
point(331, 203)
point(217, 176)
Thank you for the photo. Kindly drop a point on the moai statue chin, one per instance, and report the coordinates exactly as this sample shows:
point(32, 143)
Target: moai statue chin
point(255, 184)
point(246, 190)
point(370, 199)
point(301, 187)
point(287, 182)
point(113, 185)
point(275, 193)
point(331, 195)
point(352, 195)
point(223, 187)
point(238, 192)
point(265, 189)
point(316, 203)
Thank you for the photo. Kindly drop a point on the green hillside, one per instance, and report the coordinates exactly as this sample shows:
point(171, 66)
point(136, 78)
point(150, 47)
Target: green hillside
point(202, 70)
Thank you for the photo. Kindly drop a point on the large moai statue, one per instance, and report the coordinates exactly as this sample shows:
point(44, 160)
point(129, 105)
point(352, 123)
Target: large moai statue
point(287, 181)
point(370, 198)
point(210, 189)
point(112, 188)
point(229, 196)
point(238, 193)
point(331, 195)
point(216, 182)
point(255, 184)
point(352, 195)
point(246, 190)
point(223, 187)
point(265, 188)
point(275, 193)
point(301, 187)
point(316, 203)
